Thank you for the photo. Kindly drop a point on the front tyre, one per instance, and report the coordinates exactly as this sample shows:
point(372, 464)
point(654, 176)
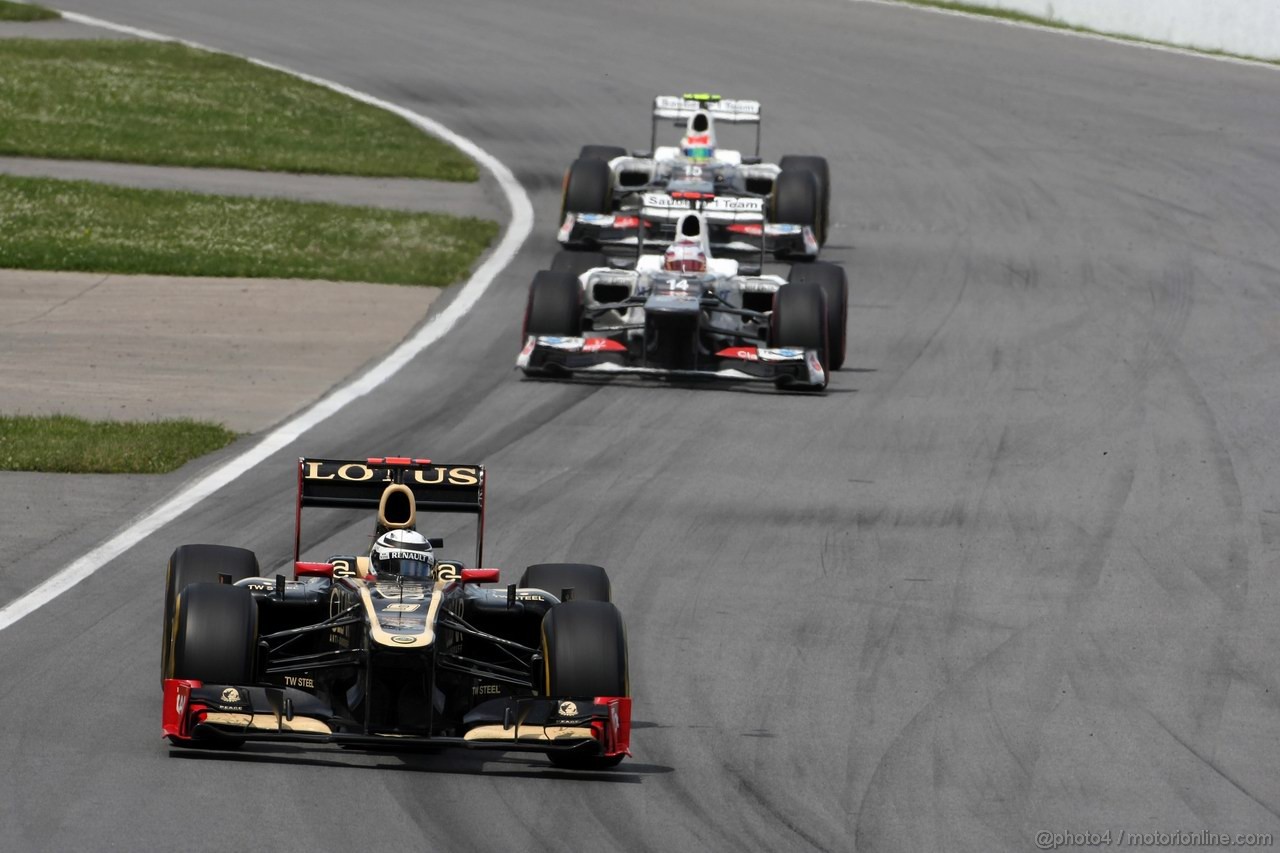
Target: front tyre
point(799, 321)
point(584, 647)
point(821, 171)
point(835, 287)
point(587, 188)
point(199, 564)
point(216, 634)
point(796, 200)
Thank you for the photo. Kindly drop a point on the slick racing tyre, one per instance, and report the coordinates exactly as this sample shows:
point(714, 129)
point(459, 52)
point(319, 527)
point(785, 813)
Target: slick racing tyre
point(215, 634)
point(799, 321)
point(587, 188)
point(601, 152)
point(589, 583)
point(796, 200)
point(199, 564)
point(554, 306)
point(835, 286)
point(584, 648)
point(821, 172)
point(576, 263)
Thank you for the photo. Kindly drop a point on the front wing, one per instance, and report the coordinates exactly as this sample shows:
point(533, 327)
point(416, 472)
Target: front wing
point(195, 712)
point(545, 355)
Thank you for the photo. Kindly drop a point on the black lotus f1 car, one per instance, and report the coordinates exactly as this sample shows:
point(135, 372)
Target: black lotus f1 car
point(340, 654)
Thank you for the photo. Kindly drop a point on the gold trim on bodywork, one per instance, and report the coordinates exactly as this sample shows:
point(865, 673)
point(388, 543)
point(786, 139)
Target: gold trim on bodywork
point(549, 733)
point(267, 722)
point(383, 637)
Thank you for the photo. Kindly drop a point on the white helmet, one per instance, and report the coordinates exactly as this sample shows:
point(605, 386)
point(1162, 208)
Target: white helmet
point(406, 553)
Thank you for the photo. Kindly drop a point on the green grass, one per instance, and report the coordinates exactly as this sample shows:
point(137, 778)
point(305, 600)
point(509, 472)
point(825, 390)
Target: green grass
point(25, 12)
point(63, 444)
point(1026, 18)
point(77, 225)
point(166, 104)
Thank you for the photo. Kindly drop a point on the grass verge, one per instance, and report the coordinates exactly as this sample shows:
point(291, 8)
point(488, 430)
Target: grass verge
point(67, 445)
point(170, 105)
point(25, 12)
point(1027, 18)
point(77, 225)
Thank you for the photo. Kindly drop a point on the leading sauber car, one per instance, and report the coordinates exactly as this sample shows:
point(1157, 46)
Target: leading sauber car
point(686, 315)
point(606, 188)
point(347, 652)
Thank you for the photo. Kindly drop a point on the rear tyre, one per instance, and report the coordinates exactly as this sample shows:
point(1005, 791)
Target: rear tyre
point(584, 646)
point(588, 582)
point(576, 263)
point(587, 188)
point(821, 172)
point(799, 321)
point(215, 634)
point(601, 152)
point(199, 564)
point(796, 200)
point(835, 286)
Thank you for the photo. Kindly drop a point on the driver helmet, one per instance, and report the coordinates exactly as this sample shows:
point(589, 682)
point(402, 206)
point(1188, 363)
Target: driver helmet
point(699, 142)
point(684, 257)
point(406, 553)
point(698, 147)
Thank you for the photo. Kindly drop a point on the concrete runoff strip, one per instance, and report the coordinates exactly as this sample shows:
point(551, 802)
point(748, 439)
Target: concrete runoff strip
point(237, 351)
point(55, 28)
point(481, 199)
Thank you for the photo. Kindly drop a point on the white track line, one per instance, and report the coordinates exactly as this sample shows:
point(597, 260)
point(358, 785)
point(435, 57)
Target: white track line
point(1114, 39)
point(279, 438)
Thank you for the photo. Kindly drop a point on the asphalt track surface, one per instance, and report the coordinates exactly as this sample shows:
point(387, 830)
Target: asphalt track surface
point(1015, 572)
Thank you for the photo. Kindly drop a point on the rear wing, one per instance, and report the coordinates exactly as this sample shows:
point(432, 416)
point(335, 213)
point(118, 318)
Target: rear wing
point(682, 107)
point(361, 484)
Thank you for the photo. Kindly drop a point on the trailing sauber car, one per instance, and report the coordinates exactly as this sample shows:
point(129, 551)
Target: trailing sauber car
point(607, 188)
point(687, 315)
point(394, 648)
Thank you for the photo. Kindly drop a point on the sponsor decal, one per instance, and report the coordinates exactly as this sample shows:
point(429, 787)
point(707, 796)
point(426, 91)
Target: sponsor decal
point(568, 709)
point(567, 228)
point(815, 366)
point(447, 572)
point(357, 472)
point(744, 353)
point(299, 681)
point(231, 695)
point(780, 354)
point(655, 200)
point(403, 640)
point(259, 587)
point(736, 204)
point(783, 229)
point(402, 608)
point(561, 343)
point(343, 569)
point(181, 704)
point(594, 218)
point(602, 345)
point(486, 690)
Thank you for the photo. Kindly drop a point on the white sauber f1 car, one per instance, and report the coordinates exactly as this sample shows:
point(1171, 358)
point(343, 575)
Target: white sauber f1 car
point(744, 200)
point(685, 314)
